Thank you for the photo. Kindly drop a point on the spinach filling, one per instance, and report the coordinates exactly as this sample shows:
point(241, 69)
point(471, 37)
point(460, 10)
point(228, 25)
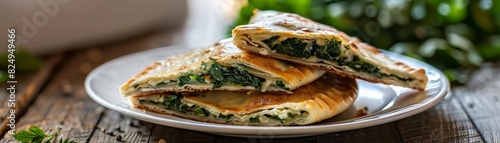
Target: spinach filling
point(188, 77)
point(221, 75)
point(173, 102)
point(281, 85)
point(361, 66)
point(330, 51)
point(282, 121)
point(233, 75)
point(254, 120)
point(296, 48)
point(225, 117)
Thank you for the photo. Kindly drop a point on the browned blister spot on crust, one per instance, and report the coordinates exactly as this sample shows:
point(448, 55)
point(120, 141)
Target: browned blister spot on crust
point(305, 29)
point(217, 44)
point(420, 71)
point(236, 56)
point(283, 24)
point(353, 45)
point(258, 28)
point(406, 67)
point(182, 67)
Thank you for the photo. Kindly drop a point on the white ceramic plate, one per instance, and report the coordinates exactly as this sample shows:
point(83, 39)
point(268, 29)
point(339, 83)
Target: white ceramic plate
point(384, 103)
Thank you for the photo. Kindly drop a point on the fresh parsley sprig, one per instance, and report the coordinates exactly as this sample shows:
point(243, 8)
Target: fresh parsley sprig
point(36, 135)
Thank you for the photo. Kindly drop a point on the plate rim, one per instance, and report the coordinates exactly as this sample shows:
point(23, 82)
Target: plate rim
point(276, 131)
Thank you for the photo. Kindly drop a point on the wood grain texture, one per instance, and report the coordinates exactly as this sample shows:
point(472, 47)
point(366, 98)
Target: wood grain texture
point(446, 122)
point(114, 127)
point(63, 105)
point(22, 83)
point(480, 98)
point(174, 135)
point(27, 89)
point(386, 133)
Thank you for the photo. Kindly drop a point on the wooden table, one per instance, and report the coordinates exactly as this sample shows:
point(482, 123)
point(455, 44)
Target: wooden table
point(54, 99)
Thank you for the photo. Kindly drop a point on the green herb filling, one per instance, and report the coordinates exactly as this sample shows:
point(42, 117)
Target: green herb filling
point(281, 85)
point(174, 102)
point(330, 51)
point(220, 75)
point(254, 120)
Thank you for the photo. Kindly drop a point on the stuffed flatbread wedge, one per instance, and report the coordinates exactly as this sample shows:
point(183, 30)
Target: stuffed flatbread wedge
point(294, 38)
point(221, 66)
point(319, 100)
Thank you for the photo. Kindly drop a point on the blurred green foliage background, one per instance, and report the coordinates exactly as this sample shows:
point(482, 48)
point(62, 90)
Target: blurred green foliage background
point(24, 61)
point(452, 35)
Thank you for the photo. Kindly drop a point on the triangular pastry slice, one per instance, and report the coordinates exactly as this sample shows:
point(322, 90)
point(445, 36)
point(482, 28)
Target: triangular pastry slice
point(221, 66)
point(311, 103)
point(297, 39)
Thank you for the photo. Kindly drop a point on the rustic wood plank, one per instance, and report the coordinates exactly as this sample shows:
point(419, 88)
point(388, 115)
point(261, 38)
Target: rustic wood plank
point(265, 139)
point(480, 98)
point(28, 86)
point(61, 104)
point(175, 135)
point(446, 122)
point(114, 127)
point(64, 106)
point(386, 133)
point(22, 83)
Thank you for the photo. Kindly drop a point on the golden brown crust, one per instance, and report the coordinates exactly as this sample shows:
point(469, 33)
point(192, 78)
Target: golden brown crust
point(290, 72)
point(266, 24)
point(332, 86)
point(225, 53)
point(322, 99)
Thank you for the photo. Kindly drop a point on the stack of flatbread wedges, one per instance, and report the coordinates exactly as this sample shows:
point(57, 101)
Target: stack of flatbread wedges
point(270, 73)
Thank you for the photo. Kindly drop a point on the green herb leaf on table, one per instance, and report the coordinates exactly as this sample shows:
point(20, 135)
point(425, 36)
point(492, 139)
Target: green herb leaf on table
point(36, 135)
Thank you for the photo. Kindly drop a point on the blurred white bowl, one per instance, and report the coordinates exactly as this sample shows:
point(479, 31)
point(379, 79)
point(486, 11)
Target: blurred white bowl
point(44, 26)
